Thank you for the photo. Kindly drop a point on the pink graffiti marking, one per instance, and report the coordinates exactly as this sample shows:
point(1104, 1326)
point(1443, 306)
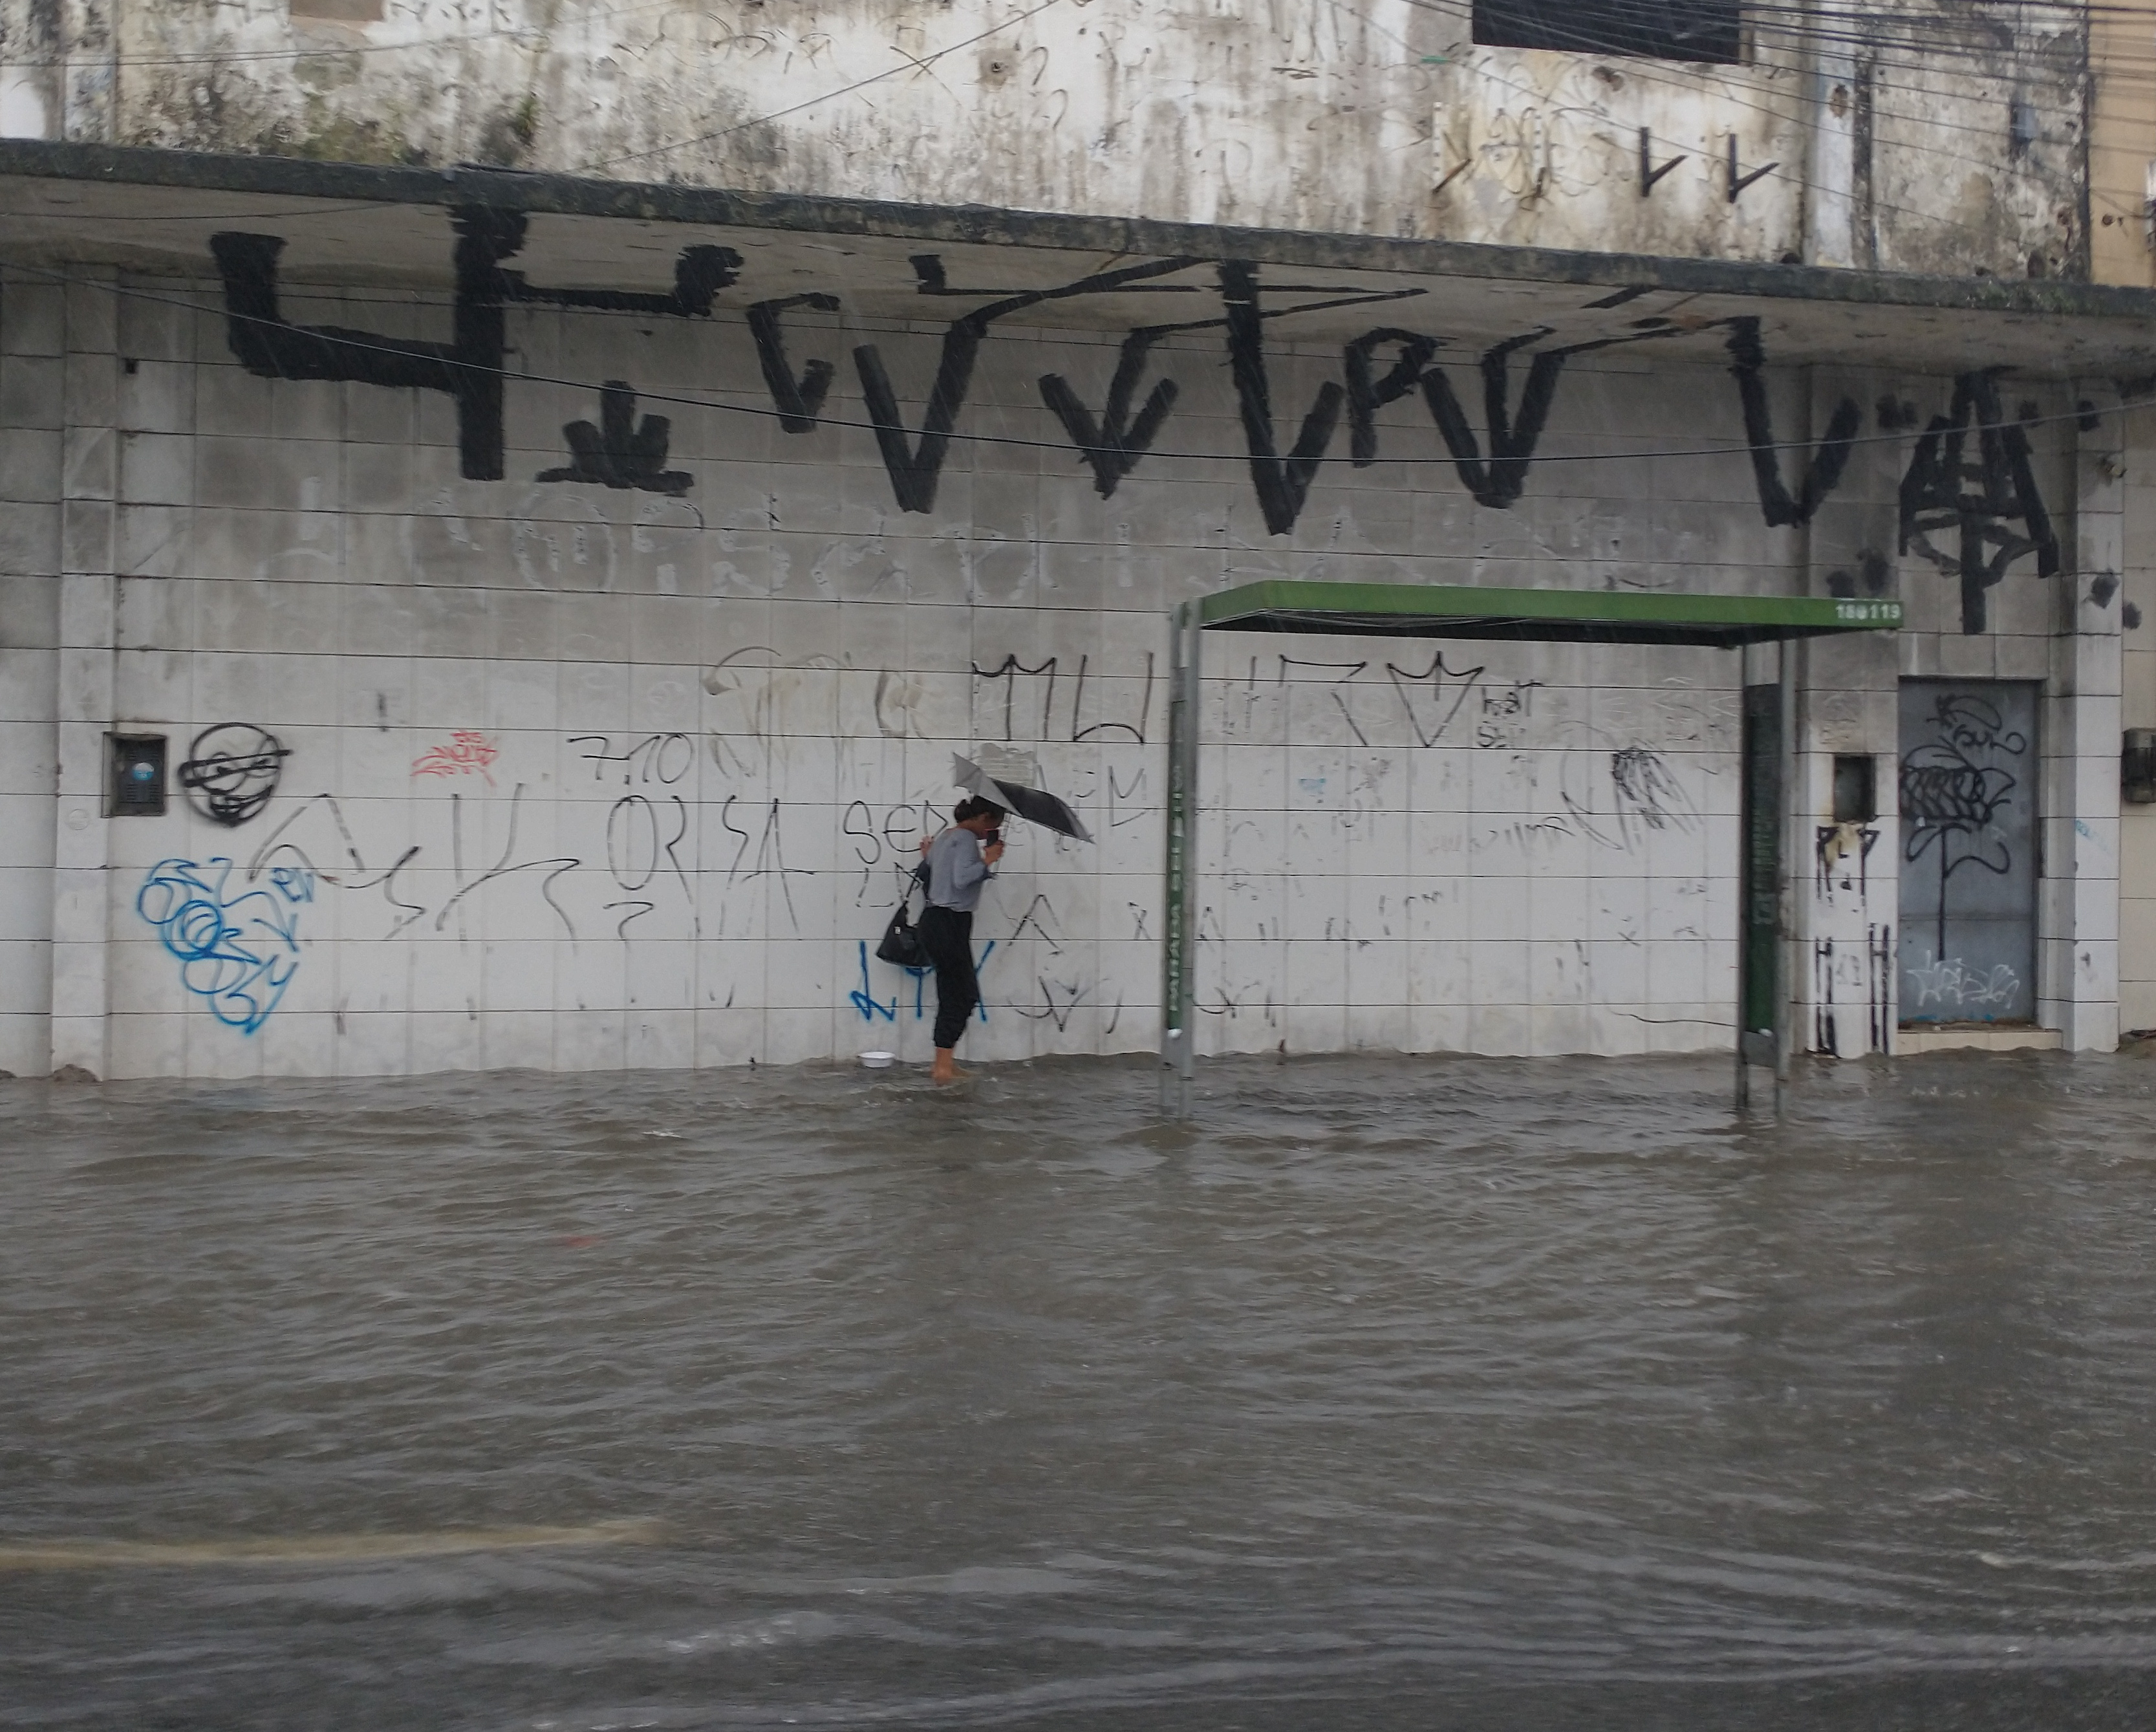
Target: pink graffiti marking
point(467, 754)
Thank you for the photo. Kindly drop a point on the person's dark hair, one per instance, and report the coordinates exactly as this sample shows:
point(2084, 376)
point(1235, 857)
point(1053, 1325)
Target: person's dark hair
point(973, 806)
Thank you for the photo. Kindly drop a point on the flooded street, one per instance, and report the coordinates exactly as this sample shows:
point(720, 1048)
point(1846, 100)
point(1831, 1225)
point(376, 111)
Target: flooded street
point(1399, 1391)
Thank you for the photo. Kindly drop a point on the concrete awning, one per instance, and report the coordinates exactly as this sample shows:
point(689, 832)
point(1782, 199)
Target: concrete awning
point(346, 223)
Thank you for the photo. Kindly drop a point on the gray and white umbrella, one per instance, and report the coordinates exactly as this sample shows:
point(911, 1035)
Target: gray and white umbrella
point(1030, 803)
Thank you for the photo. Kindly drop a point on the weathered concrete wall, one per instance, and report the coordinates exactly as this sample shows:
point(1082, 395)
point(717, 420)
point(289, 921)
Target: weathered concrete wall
point(2122, 142)
point(1979, 152)
point(1952, 145)
point(617, 760)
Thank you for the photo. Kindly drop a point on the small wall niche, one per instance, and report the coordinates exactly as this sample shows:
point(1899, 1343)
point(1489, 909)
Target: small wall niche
point(1856, 789)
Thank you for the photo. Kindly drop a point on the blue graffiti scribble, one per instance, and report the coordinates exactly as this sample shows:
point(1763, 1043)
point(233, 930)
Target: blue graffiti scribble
point(238, 956)
point(921, 976)
point(864, 1001)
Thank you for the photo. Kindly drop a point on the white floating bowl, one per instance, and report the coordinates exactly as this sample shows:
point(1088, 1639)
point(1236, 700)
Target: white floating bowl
point(878, 1061)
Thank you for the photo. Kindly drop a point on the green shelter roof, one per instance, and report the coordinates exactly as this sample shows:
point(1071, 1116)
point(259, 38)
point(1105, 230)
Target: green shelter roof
point(1573, 616)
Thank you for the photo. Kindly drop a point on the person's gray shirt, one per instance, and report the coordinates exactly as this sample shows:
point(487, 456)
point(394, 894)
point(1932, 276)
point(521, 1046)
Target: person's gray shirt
point(956, 871)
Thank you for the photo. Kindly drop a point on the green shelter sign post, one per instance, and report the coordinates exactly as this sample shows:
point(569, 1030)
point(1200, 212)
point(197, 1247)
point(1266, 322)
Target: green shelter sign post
point(1179, 960)
point(1722, 622)
point(1760, 959)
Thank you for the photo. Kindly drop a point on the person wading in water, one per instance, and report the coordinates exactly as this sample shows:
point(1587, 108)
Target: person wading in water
point(958, 866)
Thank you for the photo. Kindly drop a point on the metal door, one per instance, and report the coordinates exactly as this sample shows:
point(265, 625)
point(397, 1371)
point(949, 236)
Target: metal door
point(1968, 851)
point(1759, 874)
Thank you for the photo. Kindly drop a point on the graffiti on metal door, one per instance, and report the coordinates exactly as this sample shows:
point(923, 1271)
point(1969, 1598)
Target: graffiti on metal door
point(1968, 851)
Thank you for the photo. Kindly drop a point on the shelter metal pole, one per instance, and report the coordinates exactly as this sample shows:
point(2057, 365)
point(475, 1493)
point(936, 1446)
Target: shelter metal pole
point(1177, 969)
point(1785, 891)
point(1744, 1100)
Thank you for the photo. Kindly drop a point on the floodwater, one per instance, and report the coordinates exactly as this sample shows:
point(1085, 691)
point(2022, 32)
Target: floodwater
point(1399, 1393)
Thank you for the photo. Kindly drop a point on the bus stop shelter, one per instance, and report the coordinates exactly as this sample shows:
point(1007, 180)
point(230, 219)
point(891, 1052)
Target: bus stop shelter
point(1569, 616)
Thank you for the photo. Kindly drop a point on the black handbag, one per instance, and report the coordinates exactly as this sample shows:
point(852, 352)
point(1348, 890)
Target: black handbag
point(901, 938)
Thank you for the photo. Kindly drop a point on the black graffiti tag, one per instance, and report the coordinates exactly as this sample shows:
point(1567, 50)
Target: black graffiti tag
point(1282, 483)
point(1950, 794)
point(1513, 435)
point(470, 367)
point(1648, 788)
point(1112, 445)
point(1976, 499)
point(915, 466)
point(801, 400)
point(1011, 669)
point(231, 771)
point(1367, 392)
point(1748, 358)
point(1512, 439)
point(619, 452)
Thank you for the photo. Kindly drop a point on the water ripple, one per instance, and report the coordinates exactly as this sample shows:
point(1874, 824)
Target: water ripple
point(1530, 1391)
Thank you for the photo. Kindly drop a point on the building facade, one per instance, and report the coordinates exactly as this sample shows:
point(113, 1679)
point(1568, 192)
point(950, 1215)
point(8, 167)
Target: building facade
point(2123, 234)
point(508, 518)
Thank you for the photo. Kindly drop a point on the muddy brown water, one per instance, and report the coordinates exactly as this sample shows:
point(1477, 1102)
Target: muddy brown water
point(1399, 1392)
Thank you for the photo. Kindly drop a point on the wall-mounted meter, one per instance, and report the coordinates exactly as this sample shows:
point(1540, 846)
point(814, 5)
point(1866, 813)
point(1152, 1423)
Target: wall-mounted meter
point(136, 787)
point(2137, 767)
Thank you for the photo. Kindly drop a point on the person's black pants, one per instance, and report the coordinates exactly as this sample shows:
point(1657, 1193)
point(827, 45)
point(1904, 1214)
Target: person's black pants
point(947, 935)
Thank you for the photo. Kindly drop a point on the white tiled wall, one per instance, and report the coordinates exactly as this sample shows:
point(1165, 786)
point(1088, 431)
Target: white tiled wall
point(29, 622)
point(31, 345)
point(693, 741)
point(2063, 635)
point(2137, 905)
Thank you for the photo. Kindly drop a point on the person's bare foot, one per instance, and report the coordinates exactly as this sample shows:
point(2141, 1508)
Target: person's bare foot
point(945, 1070)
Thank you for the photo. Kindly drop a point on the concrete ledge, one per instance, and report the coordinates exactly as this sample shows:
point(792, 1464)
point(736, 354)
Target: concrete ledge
point(1981, 1037)
point(583, 195)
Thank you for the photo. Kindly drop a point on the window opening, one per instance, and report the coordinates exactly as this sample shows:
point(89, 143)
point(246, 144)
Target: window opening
point(1711, 31)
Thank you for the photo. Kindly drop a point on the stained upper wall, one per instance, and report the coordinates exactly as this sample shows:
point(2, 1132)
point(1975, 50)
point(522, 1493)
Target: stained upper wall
point(1941, 137)
point(2121, 141)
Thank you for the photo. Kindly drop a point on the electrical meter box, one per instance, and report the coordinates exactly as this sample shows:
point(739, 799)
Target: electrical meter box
point(2137, 767)
point(137, 785)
